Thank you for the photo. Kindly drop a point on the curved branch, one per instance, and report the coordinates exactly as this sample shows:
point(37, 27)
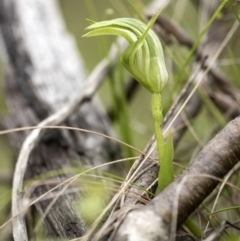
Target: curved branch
point(43, 71)
point(210, 165)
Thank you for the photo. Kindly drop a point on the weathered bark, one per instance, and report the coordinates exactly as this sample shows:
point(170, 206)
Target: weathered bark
point(188, 190)
point(42, 71)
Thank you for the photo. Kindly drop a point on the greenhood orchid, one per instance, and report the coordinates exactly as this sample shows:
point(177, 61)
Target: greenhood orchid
point(144, 59)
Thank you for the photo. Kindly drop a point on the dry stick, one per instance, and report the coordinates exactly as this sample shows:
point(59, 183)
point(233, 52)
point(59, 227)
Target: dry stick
point(226, 103)
point(216, 159)
point(215, 173)
point(92, 83)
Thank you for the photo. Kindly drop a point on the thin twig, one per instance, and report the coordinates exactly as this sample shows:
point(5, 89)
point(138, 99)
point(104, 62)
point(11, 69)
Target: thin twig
point(92, 83)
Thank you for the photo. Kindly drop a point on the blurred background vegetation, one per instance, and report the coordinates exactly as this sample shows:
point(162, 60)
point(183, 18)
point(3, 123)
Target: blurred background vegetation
point(139, 126)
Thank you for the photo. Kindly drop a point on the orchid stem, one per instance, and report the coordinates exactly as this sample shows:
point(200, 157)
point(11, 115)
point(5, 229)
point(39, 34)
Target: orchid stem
point(166, 167)
point(166, 175)
point(157, 117)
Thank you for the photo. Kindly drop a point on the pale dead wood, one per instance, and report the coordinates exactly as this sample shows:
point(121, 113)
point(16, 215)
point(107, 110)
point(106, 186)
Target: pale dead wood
point(43, 70)
point(32, 140)
point(189, 189)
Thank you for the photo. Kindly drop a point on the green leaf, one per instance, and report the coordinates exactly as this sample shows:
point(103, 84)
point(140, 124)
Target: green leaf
point(193, 227)
point(166, 174)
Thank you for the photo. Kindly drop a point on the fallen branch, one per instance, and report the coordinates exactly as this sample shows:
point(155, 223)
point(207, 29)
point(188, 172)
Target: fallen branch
point(187, 192)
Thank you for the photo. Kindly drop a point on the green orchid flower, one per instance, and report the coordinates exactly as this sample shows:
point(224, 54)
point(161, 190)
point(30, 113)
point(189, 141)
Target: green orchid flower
point(144, 57)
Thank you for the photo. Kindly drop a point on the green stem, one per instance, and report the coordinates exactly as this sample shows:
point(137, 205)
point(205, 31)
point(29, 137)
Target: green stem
point(166, 167)
point(164, 179)
point(124, 117)
point(157, 117)
point(160, 141)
